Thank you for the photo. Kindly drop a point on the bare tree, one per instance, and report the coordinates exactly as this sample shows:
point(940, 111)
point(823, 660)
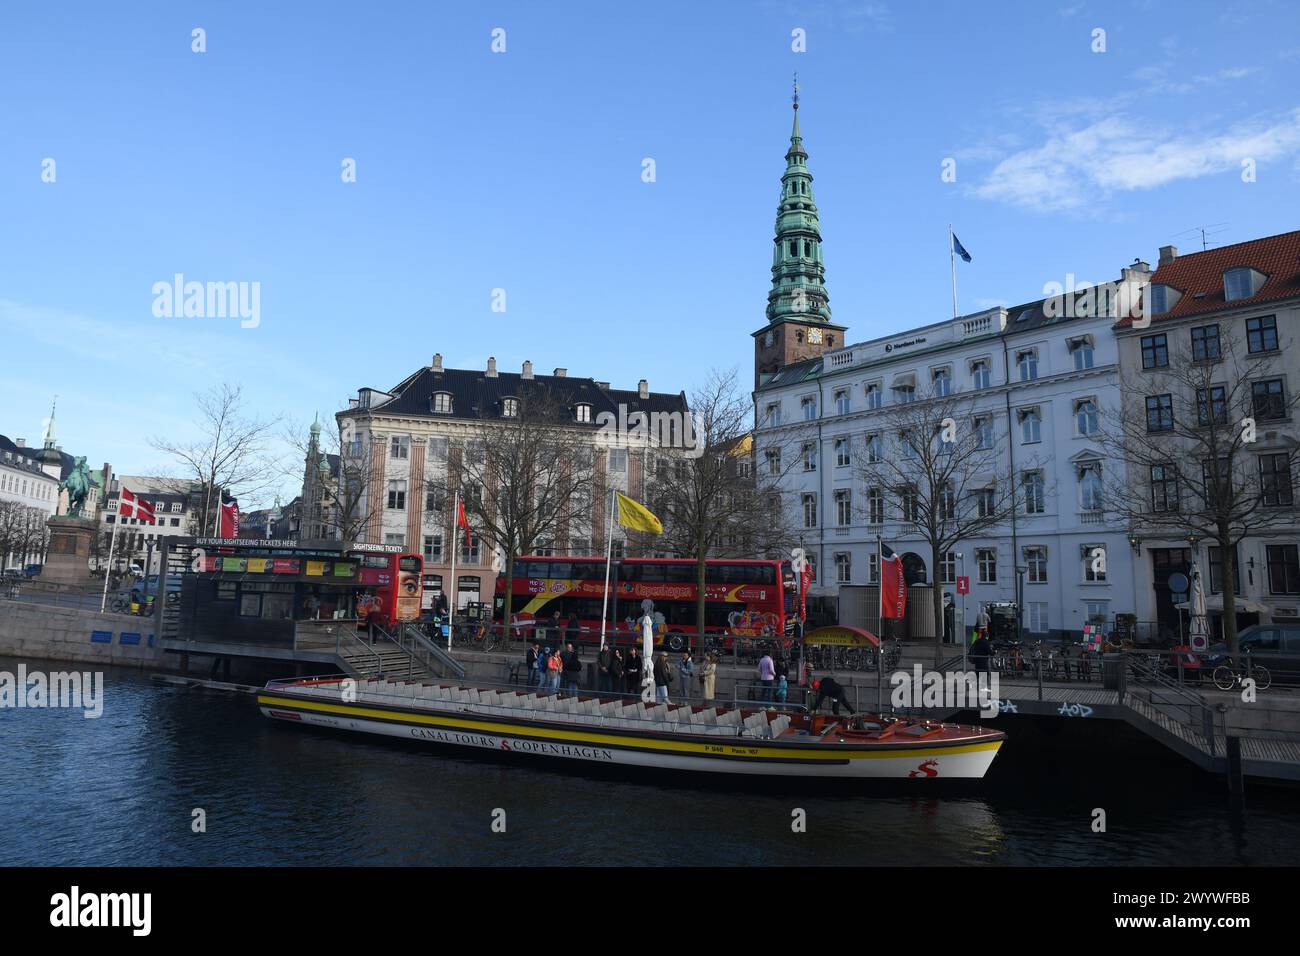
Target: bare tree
point(525, 478)
point(229, 454)
point(935, 459)
point(1204, 462)
point(711, 499)
point(23, 532)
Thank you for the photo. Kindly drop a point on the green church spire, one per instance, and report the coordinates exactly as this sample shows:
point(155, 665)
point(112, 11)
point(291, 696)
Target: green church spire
point(798, 273)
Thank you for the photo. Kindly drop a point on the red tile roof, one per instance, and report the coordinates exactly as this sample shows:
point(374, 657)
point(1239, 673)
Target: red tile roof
point(1277, 257)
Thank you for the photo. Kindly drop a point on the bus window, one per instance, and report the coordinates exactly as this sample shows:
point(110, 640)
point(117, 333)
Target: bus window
point(409, 563)
point(374, 561)
point(679, 573)
point(561, 569)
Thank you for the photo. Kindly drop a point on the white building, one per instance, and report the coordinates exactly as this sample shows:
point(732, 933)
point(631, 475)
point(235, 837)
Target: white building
point(29, 495)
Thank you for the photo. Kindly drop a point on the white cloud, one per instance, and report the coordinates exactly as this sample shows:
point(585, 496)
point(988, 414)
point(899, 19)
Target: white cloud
point(1076, 169)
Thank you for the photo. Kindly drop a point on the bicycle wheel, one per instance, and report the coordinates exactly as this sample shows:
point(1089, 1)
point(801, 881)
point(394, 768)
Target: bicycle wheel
point(1224, 678)
point(1263, 679)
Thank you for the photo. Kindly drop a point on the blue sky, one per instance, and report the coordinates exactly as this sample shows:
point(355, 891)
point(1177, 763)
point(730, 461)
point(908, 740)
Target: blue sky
point(522, 171)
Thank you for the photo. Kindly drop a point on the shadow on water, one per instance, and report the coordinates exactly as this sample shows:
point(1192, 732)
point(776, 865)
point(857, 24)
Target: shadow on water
point(124, 790)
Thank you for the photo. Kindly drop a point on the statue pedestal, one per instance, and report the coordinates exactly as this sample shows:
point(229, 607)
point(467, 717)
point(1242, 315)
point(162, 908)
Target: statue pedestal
point(68, 558)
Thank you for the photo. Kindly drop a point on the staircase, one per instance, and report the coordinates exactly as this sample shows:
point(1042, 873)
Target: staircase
point(406, 653)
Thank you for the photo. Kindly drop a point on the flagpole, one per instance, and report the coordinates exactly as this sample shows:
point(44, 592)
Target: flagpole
point(609, 554)
point(952, 262)
point(112, 540)
point(880, 647)
point(454, 540)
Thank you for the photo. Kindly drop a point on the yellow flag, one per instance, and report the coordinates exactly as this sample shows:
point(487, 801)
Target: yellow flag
point(634, 515)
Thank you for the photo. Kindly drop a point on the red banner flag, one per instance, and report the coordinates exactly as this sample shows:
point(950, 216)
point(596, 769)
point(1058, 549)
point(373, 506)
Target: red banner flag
point(229, 520)
point(893, 586)
point(461, 520)
point(130, 506)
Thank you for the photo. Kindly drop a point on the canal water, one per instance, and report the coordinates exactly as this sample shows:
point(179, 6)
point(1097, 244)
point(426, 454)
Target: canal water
point(123, 789)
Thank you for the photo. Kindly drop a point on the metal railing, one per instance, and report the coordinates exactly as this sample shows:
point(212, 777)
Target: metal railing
point(413, 640)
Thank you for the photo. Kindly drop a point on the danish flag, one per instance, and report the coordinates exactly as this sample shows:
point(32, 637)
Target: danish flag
point(130, 506)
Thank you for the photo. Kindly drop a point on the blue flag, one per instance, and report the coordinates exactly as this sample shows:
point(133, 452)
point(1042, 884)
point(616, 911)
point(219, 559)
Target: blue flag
point(958, 248)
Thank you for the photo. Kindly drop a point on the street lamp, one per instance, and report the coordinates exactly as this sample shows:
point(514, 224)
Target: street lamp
point(1021, 570)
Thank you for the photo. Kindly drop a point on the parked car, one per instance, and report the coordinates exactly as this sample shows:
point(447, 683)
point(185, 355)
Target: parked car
point(32, 570)
point(9, 575)
point(1275, 646)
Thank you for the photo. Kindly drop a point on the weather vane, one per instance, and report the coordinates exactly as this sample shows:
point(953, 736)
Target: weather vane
point(796, 90)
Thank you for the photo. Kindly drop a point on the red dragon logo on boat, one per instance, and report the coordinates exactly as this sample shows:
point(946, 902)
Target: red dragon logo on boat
point(927, 769)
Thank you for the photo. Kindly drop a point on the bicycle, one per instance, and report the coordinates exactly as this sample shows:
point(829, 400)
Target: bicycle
point(1225, 678)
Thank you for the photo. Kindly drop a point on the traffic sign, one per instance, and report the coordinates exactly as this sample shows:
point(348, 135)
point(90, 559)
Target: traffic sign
point(963, 585)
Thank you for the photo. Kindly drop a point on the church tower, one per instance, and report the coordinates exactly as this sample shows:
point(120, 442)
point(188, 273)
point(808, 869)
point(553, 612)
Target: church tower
point(798, 313)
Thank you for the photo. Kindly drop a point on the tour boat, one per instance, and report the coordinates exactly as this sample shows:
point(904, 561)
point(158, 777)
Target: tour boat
point(608, 729)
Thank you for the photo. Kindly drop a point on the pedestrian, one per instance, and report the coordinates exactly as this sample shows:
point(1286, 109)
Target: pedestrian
point(663, 674)
point(982, 621)
point(554, 667)
point(616, 671)
point(782, 688)
point(557, 628)
point(829, 688)
point(766, 676)
point(686, 670)
point(572, 669)
point(543, 675)
point(573, 631)
point(603, 660)
point(708, 678)
point(632, 670)
point(530, 657)
point(979, 653)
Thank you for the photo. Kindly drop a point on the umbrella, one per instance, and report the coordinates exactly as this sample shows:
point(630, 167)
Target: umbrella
point(647, 623)
point(1198, 632)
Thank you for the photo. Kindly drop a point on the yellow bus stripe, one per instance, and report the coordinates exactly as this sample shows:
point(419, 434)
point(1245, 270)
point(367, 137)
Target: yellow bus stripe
point(596, 738)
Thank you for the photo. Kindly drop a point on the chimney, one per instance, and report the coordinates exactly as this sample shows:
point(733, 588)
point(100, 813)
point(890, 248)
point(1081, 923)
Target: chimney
point(643, 389)
point(1139, 271)
point(1167, 255)
point(437, 361)
point(528, 370)
point(492, 368)
point(561, 372)
point(21, 442)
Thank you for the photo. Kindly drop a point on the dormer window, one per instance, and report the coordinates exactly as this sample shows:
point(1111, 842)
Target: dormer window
point(1242, 283)
point(509, 408)
point(1163, 298)
point(442, 402)
point(582, 413)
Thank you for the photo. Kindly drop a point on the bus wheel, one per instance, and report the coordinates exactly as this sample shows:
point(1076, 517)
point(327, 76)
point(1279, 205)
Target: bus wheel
point(676, 642)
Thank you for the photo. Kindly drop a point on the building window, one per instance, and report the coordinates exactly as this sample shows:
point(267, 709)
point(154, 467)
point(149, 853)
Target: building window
point(1283, 568)
point(1239, 284)
point(947, 502)
point(875, 506)
point(1205, 344)
point(942, 379)
point(397, 539)
point(842, 459)
point(979, 372)
point(773, 414)
point(1160, 413)
point(1085, 416)
point(1036, 617)
point(1081, 351)
point(873, 395)
point(810, 456)
point(582, 413)
point(397, 495)
point(432, 548)
point(809, 406)
point(509, 408)
point(986, 563)
point(1090, 486)
point(1216, 572)
point(844, 507)
point(1261, 334)
point(442, 402)
point(1267, 400)
point(435, 499)
point(985, 501)
point(911, 503)
point(948, 567)
point(1155, 351)
point(1033, 484)
point(984, 433)
point(469, 553)
point(1094, 563)
point(875, 449)
point(1275, 480)
point(873, 568)
point(1097, 612)
point(618, 460)
point(1164, 488)
point(1215, 478)
point(400, 447)
point(841, 401)
point(1027, 363)
point(810, 510)
point(1031, 425)
point(843, 567)
point(1212, 405)
point(904, 394)
point(773, 456)
point(1036, 562)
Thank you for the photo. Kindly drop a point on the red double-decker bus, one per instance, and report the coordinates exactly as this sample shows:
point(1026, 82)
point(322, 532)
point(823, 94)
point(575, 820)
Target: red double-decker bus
point(392, 582)
point(742, 598)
